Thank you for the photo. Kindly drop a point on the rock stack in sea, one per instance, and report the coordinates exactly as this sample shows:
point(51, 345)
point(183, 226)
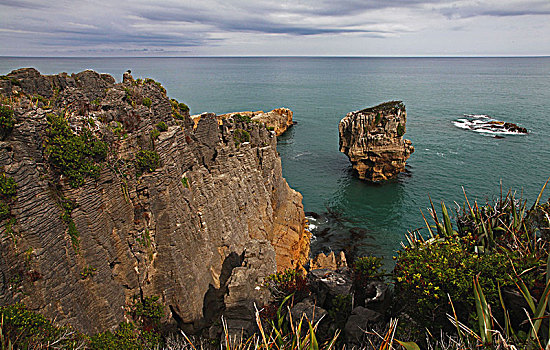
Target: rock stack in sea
point(120, 196)
point(372, 138)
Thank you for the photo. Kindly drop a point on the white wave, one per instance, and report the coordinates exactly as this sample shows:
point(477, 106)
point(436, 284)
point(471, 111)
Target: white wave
point(483, 124)
point(312, 227)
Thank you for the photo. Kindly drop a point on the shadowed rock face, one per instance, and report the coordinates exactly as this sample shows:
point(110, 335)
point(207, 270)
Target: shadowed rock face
point(373, 141)
point(168, 232)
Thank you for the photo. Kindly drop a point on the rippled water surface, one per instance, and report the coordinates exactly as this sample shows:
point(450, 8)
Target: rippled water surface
point(436, 91)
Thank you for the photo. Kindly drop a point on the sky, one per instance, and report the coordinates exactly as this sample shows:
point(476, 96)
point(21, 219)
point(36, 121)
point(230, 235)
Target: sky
point(274, 28)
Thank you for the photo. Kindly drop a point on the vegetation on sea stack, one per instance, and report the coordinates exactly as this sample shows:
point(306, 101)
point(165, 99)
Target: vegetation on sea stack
point(7, 121)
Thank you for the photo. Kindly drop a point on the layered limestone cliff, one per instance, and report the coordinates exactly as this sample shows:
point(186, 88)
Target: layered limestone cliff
point(277, 120)
point(155, 206)
point(373, 141)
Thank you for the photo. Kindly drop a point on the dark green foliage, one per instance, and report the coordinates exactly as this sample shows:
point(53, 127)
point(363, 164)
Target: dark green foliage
point(12, 80)
point(28, 330)
point(4, 209)
point(378, 118)
point(146, 102)
point(240, 136)
point(425, 274)
point(161, 126)
point(155, 133)
point(367, 267)
point(8, 186)
point(185, 182)
point(400, 130)
point(178, 107)
point(8, 190)
point(146, 161)
point(271, 128)
point(74, 156)
point(148, 308)
point(390, 106)
point(68, 207)
point(7, 121)
point(126, 337)
point(242, 118)
point(340, 309)
point(40, 98)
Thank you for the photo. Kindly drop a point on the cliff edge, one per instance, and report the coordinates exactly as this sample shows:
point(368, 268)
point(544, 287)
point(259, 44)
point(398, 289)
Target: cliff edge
point(117, 196)
point(372, 139)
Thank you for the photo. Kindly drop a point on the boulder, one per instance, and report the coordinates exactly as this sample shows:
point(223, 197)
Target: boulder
point(360, 320)
point(330, 261)
point(372, 139)
point(326, 284)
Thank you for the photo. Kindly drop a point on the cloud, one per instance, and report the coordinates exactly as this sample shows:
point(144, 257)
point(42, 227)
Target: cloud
point(140, 25)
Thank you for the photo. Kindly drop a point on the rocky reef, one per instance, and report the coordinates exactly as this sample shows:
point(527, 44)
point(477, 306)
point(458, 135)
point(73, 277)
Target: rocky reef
point(114, 194)
point(487, 125)
point(372, 139)
point(277, 120)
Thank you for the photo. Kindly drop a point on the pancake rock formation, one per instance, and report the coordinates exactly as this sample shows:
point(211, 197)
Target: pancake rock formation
point(372, 139)
point(277, 120)
point(114, 195)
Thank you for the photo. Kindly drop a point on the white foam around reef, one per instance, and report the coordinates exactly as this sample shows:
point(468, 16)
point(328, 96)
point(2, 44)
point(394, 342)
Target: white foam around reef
point(483, 124)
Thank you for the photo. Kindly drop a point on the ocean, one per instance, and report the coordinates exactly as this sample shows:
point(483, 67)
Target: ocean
point(347, 213)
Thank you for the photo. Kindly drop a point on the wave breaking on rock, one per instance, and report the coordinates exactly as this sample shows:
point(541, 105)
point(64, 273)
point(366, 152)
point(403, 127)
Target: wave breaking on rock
point(482, 123)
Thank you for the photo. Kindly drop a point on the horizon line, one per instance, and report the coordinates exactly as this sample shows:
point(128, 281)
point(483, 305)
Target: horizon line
point(297, 56)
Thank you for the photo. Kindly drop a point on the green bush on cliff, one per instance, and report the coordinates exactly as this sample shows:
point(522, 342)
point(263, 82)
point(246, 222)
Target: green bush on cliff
point(146, 102)
point(8, 190)
point(72, 155)
point(242, 118)
point(240, 136)
point(146, 161)
point(7, 120)
point(25, 329)
point(162, 127)
point(400, 130)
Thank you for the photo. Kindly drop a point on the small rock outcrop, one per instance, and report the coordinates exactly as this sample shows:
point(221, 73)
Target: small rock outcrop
point(372, 138)
point(277, 120)
point(119, 197)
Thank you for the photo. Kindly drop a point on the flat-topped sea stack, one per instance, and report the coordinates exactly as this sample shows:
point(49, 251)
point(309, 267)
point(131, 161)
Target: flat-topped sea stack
point(372, 138)
point(277, 120)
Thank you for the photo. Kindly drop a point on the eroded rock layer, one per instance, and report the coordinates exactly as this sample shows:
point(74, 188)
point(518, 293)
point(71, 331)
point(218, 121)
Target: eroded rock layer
point(175, 229)
point(373, 141)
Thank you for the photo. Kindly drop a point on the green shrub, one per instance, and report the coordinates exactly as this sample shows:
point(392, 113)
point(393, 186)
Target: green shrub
point(146, 161)
point(8, 186)
point(28, 330)
point(4, 210)
point(74, 156)
point(400, 130)
point(240, 136)
point(7, 121)
point(161, 126)
point(271, 128)
point(68, 206)
point(126, 337)
point(148, 308)
point(155, 133)
point(378, 118)
point(426, 273)
point(146, 102)
point(242, 118)
point(185, 182)
point(367, 267)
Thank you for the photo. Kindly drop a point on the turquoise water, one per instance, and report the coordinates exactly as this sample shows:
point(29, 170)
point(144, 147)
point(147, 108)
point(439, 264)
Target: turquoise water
point(369, 219)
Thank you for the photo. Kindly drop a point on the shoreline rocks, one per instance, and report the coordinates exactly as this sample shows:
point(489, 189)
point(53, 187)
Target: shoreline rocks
point(372, 139)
